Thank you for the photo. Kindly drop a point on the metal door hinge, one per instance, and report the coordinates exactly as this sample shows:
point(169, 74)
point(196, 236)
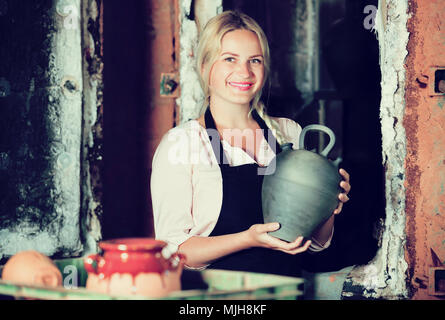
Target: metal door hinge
point(169, 85)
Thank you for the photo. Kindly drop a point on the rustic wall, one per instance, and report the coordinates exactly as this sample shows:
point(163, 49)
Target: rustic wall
point(161, 88)
point(192, 17)
point(91, 156)
point(41, 137)
point(411, 39)
point(41, 128)
point(424, 122)
point(385, 275)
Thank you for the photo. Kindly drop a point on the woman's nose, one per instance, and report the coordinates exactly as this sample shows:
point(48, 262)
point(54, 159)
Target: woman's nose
point(244, 70)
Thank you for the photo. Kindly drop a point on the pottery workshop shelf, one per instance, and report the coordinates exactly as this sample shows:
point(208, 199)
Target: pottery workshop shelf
point(196, 285)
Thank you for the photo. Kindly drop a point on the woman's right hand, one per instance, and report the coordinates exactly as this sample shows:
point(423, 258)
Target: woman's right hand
point(259, 237)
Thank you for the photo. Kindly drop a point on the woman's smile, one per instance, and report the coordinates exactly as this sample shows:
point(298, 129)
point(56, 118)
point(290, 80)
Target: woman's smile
point(243, 86)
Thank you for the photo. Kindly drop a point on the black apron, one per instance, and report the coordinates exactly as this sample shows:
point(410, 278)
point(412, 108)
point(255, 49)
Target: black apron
point(241, 208)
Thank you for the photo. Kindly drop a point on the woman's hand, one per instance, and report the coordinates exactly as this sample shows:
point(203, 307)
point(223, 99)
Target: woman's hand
point(346, 186)
point(258, 237)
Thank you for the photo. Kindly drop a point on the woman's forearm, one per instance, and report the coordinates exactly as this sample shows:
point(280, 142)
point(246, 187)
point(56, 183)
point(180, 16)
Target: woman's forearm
point(201, 251)
point(324, 231)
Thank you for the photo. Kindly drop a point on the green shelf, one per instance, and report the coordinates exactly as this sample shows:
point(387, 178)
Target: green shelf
point(209, 284)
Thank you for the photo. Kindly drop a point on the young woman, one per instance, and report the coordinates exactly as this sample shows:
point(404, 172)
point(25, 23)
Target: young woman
point(206, 186)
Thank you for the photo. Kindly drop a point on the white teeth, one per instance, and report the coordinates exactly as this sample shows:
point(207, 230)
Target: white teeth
point(240, 85)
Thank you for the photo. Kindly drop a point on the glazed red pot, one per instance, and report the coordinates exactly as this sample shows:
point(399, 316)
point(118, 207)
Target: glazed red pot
point(131, 266)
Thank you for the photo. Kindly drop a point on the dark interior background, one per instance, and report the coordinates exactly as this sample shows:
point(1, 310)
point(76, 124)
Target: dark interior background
point(126, 52)
point(349, 84)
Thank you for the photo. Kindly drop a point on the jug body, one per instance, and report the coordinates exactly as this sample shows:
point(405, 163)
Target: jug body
point(302, 193)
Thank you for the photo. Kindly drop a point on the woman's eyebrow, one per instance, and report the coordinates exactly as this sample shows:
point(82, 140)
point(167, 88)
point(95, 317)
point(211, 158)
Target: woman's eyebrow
point(236, 55)
point(230, 53)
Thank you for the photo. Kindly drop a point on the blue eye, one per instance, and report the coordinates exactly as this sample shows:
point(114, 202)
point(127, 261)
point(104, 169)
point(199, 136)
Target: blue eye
point(256, 61)
point(229, 59)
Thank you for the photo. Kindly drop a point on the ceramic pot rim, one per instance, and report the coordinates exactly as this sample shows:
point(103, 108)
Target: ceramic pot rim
point(132, 244)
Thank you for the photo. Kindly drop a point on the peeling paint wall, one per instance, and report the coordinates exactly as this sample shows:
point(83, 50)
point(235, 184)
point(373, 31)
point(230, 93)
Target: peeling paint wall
point(191, 98)
point(424, 122)
point(41, 133)
point(162, 56)
point(92, 137)
point(386, 275)
point(41, 120)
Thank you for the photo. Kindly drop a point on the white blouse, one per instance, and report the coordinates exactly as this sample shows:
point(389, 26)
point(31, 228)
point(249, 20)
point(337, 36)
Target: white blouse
point(186, 181)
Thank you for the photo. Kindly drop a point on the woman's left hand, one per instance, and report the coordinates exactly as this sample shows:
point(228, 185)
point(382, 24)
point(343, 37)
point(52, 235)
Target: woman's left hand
point(346, 186)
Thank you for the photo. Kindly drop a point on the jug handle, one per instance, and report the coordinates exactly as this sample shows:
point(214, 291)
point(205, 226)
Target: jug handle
point(318, 127)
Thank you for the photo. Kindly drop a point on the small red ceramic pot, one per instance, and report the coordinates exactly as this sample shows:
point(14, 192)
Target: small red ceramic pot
point(131, 266)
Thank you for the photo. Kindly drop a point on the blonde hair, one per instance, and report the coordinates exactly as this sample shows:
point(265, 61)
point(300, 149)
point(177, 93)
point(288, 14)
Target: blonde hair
point(209, 48)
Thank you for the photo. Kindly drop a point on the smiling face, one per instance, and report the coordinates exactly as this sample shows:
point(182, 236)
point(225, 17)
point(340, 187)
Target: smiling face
point(238, 73)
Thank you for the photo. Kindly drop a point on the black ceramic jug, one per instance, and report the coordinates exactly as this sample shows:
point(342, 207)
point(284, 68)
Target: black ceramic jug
point(303, 191)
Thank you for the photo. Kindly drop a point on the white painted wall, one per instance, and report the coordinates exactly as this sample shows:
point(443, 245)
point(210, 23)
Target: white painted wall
point(191, 99)
point(385, 275)
point(63, 114)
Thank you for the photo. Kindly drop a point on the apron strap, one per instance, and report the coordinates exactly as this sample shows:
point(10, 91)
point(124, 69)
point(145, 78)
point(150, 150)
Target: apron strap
point(218, 149)
point(273, 143)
